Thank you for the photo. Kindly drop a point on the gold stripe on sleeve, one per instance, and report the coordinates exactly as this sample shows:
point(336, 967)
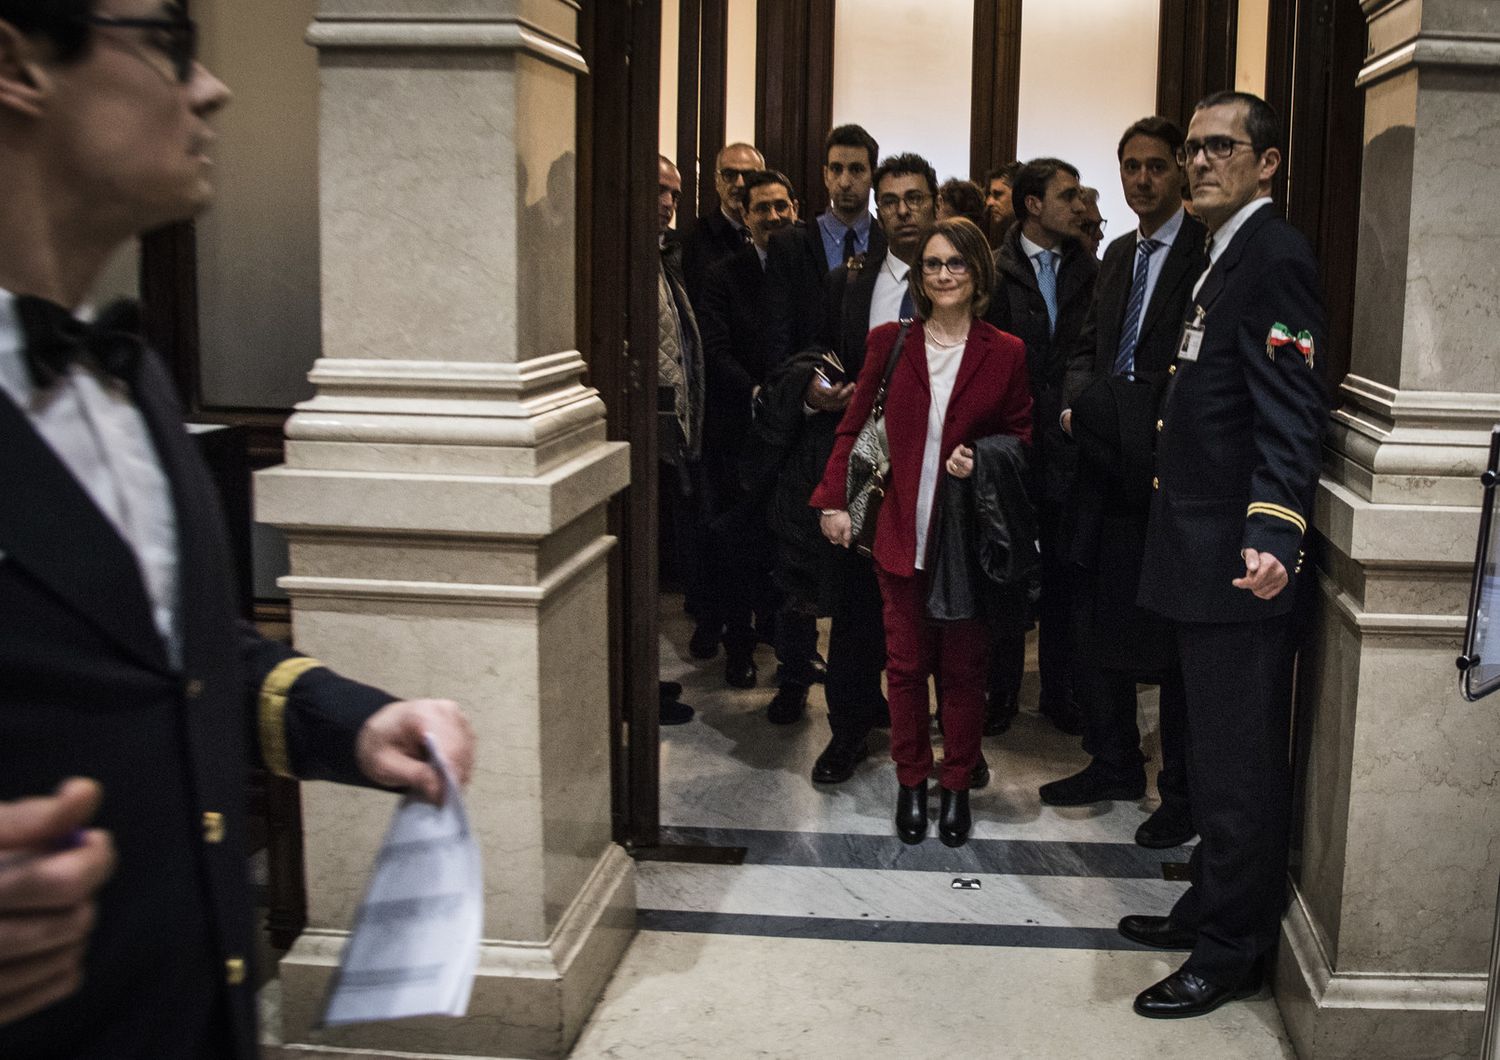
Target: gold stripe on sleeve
point(1280, 512)
point(273, 695)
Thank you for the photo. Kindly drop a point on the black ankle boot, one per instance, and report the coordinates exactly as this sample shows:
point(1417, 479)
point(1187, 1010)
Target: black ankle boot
point(911, 813)
point(954, 821)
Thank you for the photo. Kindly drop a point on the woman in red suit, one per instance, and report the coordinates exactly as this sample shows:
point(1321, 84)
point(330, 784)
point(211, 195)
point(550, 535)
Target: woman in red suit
point(957, 379)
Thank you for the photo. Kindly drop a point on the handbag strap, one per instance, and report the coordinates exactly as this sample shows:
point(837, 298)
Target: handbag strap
point(890, 368)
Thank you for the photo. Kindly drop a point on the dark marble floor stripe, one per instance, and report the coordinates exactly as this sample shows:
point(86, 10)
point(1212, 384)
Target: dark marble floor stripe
point(806, 927)
point(1006, 857)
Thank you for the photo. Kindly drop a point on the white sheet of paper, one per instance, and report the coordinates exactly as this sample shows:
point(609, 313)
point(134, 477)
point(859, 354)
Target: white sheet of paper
point(415, 944)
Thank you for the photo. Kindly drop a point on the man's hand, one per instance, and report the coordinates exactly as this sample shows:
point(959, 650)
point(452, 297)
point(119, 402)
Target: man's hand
point(826, 397)
point(49, 873)
point(390, 748)
point(837, 528)
point(1067, 422)
point(1264, 574)
point(961, 462)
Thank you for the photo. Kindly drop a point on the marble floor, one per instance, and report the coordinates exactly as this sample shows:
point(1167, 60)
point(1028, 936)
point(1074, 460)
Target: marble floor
point(835, 940)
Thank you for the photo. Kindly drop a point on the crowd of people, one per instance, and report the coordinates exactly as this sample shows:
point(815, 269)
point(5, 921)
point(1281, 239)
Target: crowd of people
point(1118, 452)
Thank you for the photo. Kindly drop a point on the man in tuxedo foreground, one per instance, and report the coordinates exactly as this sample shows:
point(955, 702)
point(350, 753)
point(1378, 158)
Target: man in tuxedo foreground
point(1236, 466)
point(133, 702)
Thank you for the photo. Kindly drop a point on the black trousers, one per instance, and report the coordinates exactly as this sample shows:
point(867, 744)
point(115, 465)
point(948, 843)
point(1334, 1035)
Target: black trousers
point(1112, 737)
point(1237, 677)
point(856, 645)
point(1055, 612)
point(796, 643)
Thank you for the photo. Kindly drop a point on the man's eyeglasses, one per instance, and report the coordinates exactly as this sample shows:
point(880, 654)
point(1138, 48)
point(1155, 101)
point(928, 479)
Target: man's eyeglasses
point(174, 35)
point(730, 175)
point(1214, 148)
point(915, 200)
point(955, 266)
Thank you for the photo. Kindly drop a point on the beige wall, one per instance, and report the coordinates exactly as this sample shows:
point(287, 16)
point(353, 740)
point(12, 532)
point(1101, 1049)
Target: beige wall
point(1066, 112)
point(667, 121)
point(739, 75)
point(1250, 46)
point(904, 72)
point(258, 246)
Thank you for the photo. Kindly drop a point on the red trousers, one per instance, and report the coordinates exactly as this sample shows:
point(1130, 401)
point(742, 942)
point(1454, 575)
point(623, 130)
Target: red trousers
point(916, 647)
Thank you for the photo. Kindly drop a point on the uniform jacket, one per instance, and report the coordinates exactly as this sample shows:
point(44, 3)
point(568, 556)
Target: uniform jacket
point(1114, 429)
point(990, 396)
point(710, 240)
point(796, 299)
point(87, 690)
point(1017, 306)
point(1242, 426)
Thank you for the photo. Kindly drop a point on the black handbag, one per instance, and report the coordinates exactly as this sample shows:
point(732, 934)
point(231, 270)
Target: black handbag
point(870, 461)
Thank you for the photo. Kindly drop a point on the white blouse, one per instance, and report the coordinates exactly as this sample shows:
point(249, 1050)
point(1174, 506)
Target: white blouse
point(942, 372)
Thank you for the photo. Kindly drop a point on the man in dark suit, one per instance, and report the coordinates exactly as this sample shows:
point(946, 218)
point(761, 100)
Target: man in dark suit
point(861, 295)
point(125, 667)
point(716, 234)
point(1046, 285)
point(799, 259)
point(731, 322)
point(1110, 398)
point(1236, 467)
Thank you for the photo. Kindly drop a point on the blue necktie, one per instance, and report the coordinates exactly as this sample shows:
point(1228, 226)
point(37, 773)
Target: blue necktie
point(1046, 279)
point(907, 310)
point(1130, 331)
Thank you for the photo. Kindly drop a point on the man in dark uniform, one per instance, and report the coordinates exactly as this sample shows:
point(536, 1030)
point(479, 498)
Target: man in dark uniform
point(1044, 288)
point(1110, 398)
point(130, 692)
point(1237, 464)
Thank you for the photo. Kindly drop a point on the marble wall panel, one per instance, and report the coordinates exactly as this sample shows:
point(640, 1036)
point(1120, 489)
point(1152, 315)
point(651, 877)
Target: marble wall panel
point(1423, 848)
point(1453, 269)
point(1384, 229)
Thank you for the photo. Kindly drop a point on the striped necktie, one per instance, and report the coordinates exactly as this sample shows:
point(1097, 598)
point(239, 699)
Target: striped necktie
point(1130, 331)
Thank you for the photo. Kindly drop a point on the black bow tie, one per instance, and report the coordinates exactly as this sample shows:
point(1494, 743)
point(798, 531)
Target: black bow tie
point(54, 339)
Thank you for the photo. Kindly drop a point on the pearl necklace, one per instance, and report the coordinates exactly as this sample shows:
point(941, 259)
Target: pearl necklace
point(941, 341)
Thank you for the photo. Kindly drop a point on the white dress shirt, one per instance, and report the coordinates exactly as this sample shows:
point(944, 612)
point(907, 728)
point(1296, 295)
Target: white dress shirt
point(1031, 250)
point(1221, 239)
point(942, 373)
point(890, 288)
point(1165, 236)
point(91, 423)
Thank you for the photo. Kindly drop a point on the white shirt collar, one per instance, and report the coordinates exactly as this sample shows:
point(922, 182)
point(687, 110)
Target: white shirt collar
point(1166, 235)
point(1033, 249)
point(14, 379)
point(761, 254)
point(1221, 239)
point(896, 267)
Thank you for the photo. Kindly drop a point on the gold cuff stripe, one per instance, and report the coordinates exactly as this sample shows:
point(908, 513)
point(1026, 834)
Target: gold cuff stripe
point(1266, 508)
point(273, 695)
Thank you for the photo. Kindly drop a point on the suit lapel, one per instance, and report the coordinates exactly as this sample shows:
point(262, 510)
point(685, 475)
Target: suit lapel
point(1213, 286)
point(50, 527)
point(1114, 295)
point(976, 352)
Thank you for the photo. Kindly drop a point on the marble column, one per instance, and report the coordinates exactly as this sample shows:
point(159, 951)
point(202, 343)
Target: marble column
point(444, 497)
point(1386, 943)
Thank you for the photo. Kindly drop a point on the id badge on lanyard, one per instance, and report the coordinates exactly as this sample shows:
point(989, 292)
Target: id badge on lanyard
point(1192, 337)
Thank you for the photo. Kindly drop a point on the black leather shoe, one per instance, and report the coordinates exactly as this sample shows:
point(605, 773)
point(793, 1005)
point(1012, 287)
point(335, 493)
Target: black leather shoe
point(979, 777)
point(817, 669)
point(704, 643)
point(954, 821)
point(740, 671)
point(1092, 784)
point(1182, 995)
point(999, 714)
point(674, 713)
point(1157, 932)
point(911, 813)
point(836, 764)
point(1168, 826)
point(788, 705)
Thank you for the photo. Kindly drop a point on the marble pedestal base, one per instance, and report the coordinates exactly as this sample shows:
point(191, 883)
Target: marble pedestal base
point(529, 1000)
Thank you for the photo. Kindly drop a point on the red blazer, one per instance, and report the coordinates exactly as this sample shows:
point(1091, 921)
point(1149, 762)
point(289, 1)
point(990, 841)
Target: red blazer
point(990, 396)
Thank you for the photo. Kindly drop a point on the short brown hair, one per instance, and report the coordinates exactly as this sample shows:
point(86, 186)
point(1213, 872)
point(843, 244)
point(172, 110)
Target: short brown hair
point(971, 245)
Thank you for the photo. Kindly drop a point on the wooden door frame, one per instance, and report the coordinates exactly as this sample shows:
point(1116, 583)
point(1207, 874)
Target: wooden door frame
point(618, 109)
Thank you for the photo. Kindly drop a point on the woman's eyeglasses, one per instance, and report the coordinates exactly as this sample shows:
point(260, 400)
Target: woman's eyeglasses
point(955, 266)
